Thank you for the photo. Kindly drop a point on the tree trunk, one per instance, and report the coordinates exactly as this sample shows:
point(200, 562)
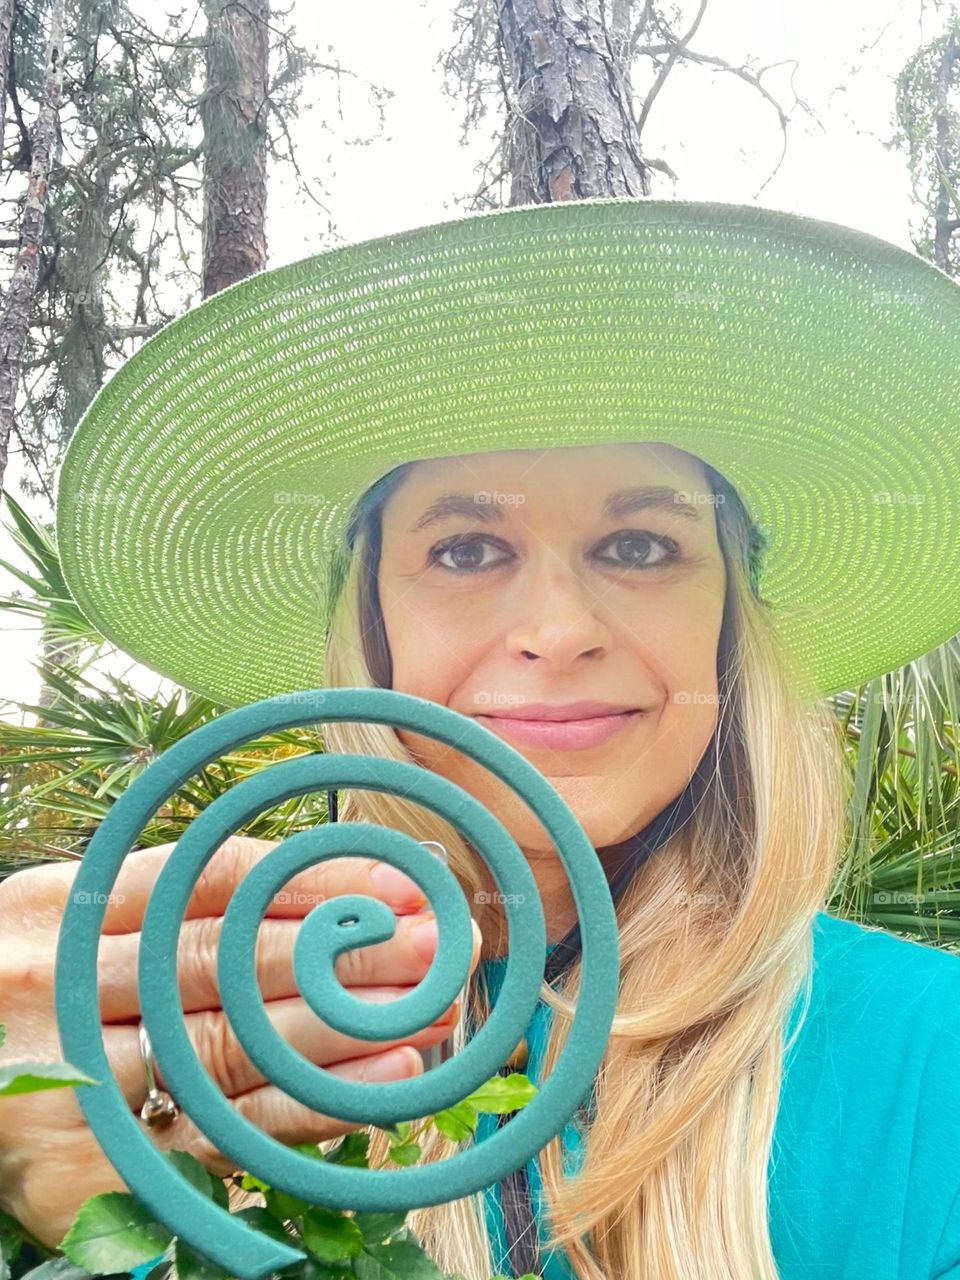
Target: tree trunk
point(576, 137)
point(15, 316)
point(233, 110)
point(946, 215)
point(85, 338)
point(8, 10)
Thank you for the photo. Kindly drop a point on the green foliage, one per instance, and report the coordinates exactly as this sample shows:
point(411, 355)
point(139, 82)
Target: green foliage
point(901, 869)
point(114, 1232)
point(99, 734)
point(32, 1077)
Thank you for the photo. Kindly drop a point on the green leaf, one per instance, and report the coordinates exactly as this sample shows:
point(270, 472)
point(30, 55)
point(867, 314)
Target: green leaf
point(377, 1227)
point(457, 1122)
point(331, 1236)
point(56, 1269)
point(398, 1132)
point(399, 1258)
point(192, 1265)
point(11, 1238)
point(284, 1207)
point(309, 1149)
point(114, 1232)
point(405, 1153)
point(265, 1222)
point(31, 1077)
point(192, 1171)
point(352, 1150)
point(250, 1182)
point(503, 1093)
point(312, 1269)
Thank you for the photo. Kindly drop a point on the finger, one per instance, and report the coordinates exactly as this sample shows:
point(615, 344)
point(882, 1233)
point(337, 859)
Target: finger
point(218, 1048)
point(284, 1118)
point(44, 892)
point(402, 960)
point(289, 1121)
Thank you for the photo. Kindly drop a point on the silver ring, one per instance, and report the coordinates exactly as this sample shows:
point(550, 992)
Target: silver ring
point(159, 1110)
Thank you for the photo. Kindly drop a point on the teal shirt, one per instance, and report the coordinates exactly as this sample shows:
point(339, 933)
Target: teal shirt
point(864, 1171)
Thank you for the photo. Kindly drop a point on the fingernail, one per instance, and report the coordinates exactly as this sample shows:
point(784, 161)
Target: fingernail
point(424, 934)
point(395, 1065)
point(396, 888)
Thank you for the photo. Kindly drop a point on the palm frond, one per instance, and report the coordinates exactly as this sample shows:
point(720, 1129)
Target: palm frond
point(901, 868)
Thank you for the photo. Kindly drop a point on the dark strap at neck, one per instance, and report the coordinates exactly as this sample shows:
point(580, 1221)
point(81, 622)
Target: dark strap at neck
point(523, 1245)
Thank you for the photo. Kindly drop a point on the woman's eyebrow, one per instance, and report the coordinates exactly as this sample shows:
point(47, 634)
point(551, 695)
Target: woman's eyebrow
point(625, 502)
point(458, 504)
point(622, 502)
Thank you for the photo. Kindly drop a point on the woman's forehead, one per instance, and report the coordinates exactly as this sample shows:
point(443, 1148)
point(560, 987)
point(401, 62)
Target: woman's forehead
point(539, 469)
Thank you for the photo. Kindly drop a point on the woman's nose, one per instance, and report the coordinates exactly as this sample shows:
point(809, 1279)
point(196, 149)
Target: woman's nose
point(561, 617)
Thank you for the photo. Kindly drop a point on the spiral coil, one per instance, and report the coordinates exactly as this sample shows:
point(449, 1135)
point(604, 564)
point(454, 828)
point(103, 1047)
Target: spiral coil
point(332, 927)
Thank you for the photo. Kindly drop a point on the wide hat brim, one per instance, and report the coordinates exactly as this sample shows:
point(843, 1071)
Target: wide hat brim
point(205, 490)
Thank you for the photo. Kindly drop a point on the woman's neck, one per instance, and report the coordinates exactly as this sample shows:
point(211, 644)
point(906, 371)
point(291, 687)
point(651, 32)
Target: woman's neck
point(559, 908)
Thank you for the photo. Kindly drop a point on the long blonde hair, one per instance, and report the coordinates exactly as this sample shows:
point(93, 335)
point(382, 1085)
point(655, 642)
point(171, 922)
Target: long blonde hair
point(715, 941)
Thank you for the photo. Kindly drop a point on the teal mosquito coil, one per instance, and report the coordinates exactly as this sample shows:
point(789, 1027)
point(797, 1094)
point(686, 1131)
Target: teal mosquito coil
point(331, 928)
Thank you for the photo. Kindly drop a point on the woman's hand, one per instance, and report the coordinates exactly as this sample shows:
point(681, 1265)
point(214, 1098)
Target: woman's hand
point(50, 1162)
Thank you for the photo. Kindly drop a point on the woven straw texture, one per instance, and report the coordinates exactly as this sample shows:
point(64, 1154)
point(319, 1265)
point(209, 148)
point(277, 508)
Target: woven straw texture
point(206, 488)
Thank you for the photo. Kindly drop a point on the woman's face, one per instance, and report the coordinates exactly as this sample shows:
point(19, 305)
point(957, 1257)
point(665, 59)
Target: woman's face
point(546, 581)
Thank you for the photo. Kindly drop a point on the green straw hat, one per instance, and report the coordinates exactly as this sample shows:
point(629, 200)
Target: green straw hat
point(204, 496)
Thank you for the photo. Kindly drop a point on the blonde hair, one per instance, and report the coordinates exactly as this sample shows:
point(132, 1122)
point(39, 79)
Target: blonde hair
point(716, 946)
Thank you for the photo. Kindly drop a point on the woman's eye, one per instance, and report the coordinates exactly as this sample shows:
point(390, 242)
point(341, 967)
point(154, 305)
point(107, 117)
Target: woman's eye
point(641, 541)
point(467, 552)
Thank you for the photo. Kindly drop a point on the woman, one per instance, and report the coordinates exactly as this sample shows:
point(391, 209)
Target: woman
point(776, 1097)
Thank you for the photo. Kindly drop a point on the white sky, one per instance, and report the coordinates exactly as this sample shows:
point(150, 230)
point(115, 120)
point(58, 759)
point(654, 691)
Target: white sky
point(716, 132)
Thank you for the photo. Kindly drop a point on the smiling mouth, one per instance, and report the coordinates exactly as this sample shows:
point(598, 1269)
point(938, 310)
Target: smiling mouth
point(562, 735)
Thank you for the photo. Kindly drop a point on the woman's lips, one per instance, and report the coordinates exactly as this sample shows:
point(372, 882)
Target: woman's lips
point(560, 735)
